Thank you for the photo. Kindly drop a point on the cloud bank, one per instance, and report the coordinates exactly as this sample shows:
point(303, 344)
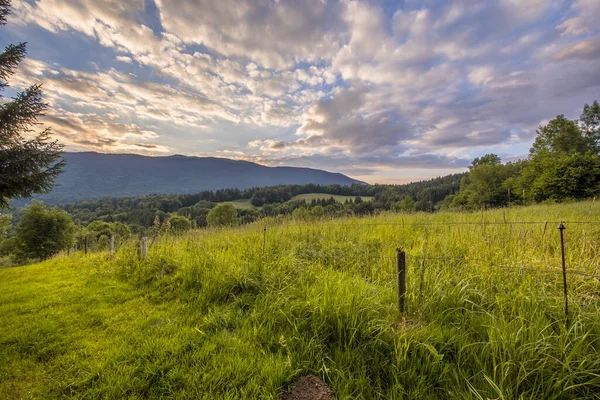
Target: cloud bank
point(378, 91)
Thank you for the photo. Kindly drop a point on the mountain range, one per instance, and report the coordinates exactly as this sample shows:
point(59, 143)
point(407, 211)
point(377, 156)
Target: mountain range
point(90, 175)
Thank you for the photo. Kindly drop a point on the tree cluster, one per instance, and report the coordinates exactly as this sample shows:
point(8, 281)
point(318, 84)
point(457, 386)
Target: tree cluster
point(563, 164)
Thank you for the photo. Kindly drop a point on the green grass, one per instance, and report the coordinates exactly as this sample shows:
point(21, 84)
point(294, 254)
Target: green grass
point(215, 315)
point(321, 196)
point(243, 204)
point(246, 205)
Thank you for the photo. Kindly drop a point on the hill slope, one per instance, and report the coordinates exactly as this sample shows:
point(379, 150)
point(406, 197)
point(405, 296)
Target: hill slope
point(94, 175)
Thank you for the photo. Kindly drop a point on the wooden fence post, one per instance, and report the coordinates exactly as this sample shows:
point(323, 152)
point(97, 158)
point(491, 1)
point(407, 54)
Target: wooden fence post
point(112, 245)
point(143, 248)
point(561, 228)
point(401, 278)
point(422, 284)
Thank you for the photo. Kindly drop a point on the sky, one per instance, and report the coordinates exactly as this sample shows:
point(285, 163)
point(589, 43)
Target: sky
point(383, 91)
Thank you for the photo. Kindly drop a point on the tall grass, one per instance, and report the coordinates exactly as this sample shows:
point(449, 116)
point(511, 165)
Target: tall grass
point(226, 314)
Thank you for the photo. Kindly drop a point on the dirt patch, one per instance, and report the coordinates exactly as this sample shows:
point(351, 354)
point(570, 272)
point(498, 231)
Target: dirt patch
point(308, 388)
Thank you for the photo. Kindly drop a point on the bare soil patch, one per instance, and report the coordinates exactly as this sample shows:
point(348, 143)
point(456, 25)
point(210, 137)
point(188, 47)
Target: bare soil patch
point(308, 387)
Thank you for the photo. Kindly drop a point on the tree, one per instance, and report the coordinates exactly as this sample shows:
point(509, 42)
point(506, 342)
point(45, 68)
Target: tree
point(406, 204)
point(29, 162)
point(571, 176)
point(564, 162)
point(424, 206)
point(224, 214)
point(4, 225)
point(97, 234)
point(180, 224)
point(590, 125)
point(318, 211)
point(43, 232)
point(486, 183)
point(560, 136)
point(300, 213)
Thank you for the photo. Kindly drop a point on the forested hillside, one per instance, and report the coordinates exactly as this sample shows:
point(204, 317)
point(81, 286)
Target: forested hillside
point(140, 212)
point(93, 175)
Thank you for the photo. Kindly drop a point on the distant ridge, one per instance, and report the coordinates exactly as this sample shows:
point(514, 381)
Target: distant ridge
point(90, 175)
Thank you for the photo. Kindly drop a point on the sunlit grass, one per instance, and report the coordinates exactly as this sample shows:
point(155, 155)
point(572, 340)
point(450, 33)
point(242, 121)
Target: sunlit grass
point(225, 313)
point(243, 204)
point(324, 196)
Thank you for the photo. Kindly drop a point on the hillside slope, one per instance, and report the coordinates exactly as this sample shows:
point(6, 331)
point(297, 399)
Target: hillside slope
point(94, 175)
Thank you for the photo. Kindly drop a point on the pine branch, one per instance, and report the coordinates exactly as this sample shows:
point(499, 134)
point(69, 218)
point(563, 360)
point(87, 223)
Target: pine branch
point(18, 115)
point(4, 11)
point(9, 60)
point(29, 167)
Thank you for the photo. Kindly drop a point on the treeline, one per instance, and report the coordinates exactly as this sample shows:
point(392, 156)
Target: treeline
point(140, 212)
point(37, 232)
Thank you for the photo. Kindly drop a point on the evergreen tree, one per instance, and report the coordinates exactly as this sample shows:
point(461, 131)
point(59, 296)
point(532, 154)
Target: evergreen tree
point(29, 161)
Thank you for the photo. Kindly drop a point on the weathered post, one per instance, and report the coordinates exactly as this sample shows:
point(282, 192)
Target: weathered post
point(112, 245)
point(264, 239)
point(144, 247)
point(561, 228)
point(85, 244)
point(421, 284)
point(401, 278)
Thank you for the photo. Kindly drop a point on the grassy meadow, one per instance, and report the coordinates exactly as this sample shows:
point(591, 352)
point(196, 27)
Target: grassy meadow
point(243, 204)
point(237, 314)
point(323, 196)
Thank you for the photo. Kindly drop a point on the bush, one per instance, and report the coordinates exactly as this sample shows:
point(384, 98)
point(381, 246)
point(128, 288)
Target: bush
point(179, 224)
point(224, 214)
point(43, 232)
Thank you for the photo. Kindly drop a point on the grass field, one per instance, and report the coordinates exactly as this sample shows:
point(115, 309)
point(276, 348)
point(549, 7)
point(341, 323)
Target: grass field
point(243, 204)
point(318, 196)
point(226, 314)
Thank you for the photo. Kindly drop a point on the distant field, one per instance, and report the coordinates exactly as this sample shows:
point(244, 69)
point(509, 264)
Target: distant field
point(317, 196)
point(239, 313)
point(243, 204)
point(246, 205)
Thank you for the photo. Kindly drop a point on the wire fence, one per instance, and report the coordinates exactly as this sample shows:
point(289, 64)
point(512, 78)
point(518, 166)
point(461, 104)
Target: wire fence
point(519, 267)
point(315, 232)
point(505, 266)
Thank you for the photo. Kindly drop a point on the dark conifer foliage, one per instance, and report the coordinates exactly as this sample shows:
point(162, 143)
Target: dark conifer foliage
point(29, 161)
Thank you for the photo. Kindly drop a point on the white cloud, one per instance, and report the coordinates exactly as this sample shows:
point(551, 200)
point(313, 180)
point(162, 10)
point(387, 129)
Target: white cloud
point(311, 81)
point(271, 34)
point(125, 59)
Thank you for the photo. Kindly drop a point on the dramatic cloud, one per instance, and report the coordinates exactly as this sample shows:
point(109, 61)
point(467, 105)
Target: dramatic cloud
point(379, 90)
